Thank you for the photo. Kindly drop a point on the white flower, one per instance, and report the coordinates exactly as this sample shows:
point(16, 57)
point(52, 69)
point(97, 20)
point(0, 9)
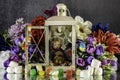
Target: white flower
point(83, 29)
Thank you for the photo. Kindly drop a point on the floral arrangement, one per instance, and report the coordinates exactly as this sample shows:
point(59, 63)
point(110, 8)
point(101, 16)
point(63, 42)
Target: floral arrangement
point(96, 42)
point(93, 42)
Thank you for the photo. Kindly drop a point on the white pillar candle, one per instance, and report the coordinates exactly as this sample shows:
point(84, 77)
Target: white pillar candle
point(95, 63)
point(84, 73)
point(13, 64)
point(10, 76)
point(91, 69)
point(10, 70)
point(18, 69)
point(18, 76)
point(98, 71)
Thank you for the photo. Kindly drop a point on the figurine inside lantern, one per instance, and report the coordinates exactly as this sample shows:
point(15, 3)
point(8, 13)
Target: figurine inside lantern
point(61, 38)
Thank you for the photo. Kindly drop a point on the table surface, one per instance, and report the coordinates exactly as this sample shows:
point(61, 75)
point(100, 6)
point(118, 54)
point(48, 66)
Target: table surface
point(114, 76)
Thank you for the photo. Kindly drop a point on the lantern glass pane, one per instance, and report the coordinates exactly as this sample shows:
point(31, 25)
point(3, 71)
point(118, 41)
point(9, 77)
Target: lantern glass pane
point(36, 47)
point(60, 45)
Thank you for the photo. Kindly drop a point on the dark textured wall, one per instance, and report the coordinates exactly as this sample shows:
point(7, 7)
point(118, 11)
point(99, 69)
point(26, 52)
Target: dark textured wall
point(93, 10)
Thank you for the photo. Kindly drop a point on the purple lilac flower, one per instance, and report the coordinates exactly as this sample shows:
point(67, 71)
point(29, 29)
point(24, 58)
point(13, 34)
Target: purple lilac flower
point(16, 30)
point(99, 50)
point(89, 59)
point(80, 62)
point(15, 49)
point(90, 48)
point(91, 40)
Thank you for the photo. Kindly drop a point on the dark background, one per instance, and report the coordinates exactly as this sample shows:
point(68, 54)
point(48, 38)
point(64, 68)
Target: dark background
point(105, 11)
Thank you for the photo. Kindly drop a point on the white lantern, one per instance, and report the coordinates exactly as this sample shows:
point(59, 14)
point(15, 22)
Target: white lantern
point(60, 39)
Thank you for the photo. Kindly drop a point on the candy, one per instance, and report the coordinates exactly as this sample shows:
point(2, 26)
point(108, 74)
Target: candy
point(10, 76)
point(18, 76)
point(41, 73)
point(69, 73)
point(85, 73)
point(91, 69)
point(33, 72)
point(48, 70)
point(54, 72)
point(13, 64)
point(98, 78)
point(18, 69)
point(61, 72)
point(10, 70)
point(39, 68)
point(78, 72)
point(98, 71)
point(95, 63)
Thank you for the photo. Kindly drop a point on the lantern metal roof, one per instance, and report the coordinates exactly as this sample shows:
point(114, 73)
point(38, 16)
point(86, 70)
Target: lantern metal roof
point(60, 20)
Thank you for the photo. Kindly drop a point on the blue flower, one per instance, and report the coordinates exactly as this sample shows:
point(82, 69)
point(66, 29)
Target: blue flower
point(100, 26)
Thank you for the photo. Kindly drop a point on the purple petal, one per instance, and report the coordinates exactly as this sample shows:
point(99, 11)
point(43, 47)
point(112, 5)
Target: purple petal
point(91, 39)
point(15, 49)
point(89, 59)
point(99, 50)
point(80, 62)
point(90, 48)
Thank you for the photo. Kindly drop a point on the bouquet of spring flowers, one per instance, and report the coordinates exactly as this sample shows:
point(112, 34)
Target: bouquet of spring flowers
point(96, 42)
